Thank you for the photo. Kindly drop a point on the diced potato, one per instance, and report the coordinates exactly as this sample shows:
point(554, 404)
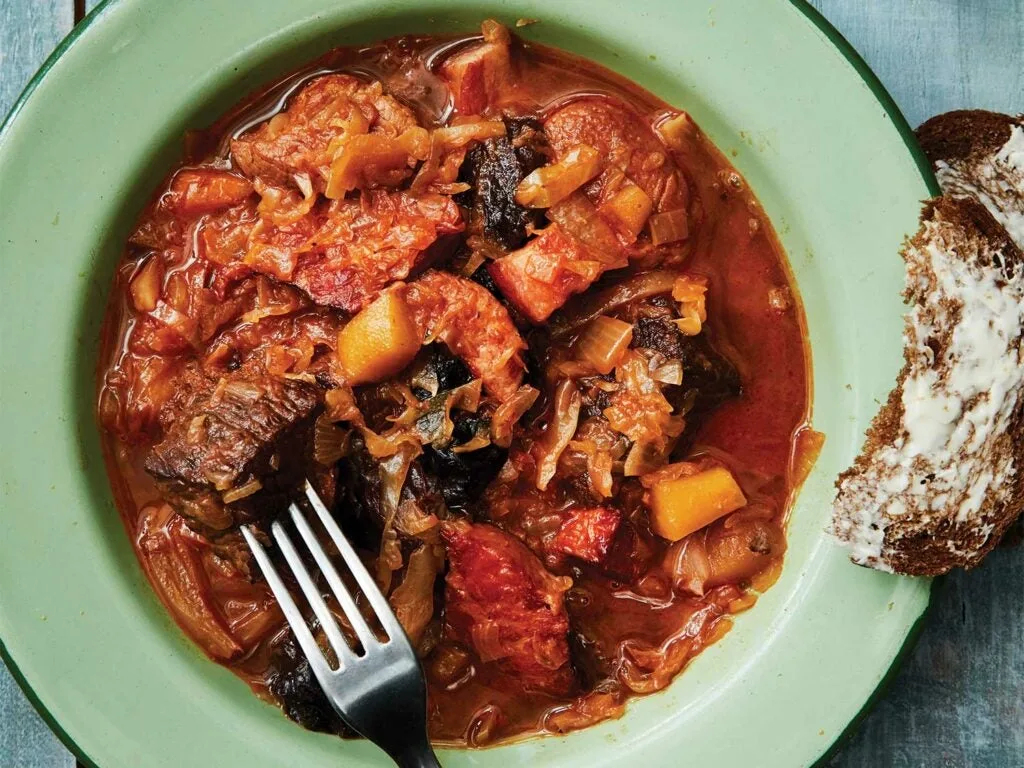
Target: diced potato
point(628, 211)
point(681, 506)
point(737, 552)
point(379, 341)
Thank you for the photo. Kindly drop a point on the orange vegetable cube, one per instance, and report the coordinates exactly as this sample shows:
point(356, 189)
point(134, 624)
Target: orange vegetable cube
point(678, 507)
point(628, 210)
point(379, 341)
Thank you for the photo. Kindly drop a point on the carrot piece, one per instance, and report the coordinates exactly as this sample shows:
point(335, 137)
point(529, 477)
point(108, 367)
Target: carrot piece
point(686, 504)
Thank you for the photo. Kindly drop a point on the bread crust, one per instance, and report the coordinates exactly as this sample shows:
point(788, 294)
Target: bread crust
point(964, 134)
point(980, 155)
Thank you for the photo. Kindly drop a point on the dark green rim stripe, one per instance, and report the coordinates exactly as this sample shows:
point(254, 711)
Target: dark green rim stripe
point(906, 133)
point(38, 705)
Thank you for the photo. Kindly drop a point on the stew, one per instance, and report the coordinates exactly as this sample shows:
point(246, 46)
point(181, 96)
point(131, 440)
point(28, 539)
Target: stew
point(523, 327)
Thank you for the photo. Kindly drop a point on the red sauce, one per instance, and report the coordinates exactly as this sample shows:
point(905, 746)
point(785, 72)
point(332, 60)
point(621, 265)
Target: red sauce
point(644, 628)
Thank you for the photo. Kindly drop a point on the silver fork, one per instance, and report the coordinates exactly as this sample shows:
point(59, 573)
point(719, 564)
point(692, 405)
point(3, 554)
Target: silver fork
point(381, 694)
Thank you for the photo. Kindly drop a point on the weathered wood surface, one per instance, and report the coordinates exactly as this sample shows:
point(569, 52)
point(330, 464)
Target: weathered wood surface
point(959, 699)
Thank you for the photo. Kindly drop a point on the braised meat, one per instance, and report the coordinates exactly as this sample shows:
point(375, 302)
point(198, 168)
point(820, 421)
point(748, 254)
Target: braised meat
point(539, 277)
point(626, 139)
point(298, 140)
point(479, 75)
point(242, 433)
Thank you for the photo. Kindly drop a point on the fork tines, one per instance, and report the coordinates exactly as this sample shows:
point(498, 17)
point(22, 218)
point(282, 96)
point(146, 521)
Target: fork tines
point(369, 641)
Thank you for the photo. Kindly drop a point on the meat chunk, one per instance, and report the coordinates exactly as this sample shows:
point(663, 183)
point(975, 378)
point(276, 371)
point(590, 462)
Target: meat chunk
point(493, 169)
point(472, 323)
point(299, 140)
point(539, 278)
point(245, 430)
point(586, 534)
point(629, 143)
point(477, 75)
point(502, 602)
point(629, 553)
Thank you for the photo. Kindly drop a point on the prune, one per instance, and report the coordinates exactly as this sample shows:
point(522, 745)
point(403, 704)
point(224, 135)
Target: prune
point(462, 477)
point(291, 682)
point(494, 169)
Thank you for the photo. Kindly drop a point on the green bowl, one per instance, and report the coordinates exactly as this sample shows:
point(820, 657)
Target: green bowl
point(820, 142)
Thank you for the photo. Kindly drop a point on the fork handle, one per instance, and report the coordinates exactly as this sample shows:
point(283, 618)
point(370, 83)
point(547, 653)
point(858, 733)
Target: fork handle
point(419, 756)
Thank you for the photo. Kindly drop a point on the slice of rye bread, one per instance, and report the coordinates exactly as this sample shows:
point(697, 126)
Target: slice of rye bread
point(941, 474)
point(980, 155)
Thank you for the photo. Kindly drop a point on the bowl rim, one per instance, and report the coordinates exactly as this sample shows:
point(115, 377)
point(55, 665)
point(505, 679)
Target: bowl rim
point(906, 133)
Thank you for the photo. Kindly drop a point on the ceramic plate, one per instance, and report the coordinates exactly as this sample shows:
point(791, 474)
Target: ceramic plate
point(773, 85)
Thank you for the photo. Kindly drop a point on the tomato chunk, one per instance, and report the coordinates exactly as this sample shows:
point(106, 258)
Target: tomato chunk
point(502, 602)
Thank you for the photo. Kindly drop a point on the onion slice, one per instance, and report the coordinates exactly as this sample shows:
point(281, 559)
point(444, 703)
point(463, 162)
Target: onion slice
point(559, 432)
point(603, 342)
point(509, 412)
point(632, 288)
point(548, 185)
point(237, 494)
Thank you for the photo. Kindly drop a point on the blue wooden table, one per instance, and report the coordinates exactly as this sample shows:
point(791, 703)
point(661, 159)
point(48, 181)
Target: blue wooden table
point(959, 698)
